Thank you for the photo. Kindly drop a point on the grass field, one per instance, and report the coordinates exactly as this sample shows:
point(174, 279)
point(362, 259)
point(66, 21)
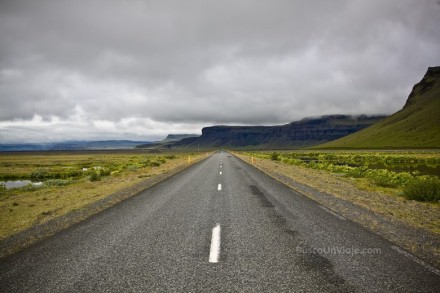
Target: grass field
point(70, 181)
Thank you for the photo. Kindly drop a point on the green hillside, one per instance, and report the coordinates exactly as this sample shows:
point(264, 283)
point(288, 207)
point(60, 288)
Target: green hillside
point(417, 125)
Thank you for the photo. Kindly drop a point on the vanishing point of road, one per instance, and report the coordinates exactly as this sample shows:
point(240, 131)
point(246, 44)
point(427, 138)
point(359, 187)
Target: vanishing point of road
point(219, 226)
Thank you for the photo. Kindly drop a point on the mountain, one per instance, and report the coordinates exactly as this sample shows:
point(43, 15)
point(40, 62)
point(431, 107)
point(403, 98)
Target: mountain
point(417, 125)
point(167, 141)
point(303, 133)
point(177, 137)
point(72, 145)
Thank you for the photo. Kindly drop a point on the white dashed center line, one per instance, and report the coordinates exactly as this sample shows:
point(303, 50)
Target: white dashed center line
point(220, 172)
point(219, 187)
point(214, 252)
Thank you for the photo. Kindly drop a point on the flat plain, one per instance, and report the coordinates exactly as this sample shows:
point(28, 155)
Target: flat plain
point(66, 181)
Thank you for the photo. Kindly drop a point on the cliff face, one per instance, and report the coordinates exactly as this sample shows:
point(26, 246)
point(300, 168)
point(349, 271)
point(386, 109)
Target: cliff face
point(307, 132)
point(328, 128)
point(430, 79)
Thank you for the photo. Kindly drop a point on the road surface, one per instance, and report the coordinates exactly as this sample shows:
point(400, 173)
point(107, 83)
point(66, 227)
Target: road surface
point(219, 226)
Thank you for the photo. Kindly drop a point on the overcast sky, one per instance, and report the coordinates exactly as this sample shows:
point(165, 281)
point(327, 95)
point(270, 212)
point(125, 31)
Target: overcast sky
point(127, 69)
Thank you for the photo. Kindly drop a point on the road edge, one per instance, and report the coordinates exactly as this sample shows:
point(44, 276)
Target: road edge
point(367, 216)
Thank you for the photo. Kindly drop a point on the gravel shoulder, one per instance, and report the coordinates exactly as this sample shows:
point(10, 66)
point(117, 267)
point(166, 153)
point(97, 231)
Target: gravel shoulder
point(409, 224)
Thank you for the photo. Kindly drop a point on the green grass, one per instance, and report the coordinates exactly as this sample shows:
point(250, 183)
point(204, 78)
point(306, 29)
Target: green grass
point(417, 125)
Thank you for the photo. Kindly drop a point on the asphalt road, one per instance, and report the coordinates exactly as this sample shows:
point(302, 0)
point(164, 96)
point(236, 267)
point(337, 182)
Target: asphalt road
point(219, 226)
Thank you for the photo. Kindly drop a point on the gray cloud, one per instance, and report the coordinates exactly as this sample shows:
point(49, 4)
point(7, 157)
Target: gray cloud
point(85, 68)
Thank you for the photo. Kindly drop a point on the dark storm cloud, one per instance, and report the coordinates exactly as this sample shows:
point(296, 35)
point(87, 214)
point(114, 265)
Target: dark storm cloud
point(146, 68)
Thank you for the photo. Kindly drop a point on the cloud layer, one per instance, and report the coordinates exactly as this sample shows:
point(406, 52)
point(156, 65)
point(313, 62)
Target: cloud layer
point(137, 69)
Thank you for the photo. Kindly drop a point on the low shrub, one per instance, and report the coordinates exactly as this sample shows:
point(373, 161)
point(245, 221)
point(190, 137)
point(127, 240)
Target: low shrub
point(383, 182)
point(104, 172)
point(385, 178)
point(95, 176)
point(40, 174)
point(275, 156)
point(133, 167)
point(57, 182)
point(72, 174)
point(31, 187)
point(423, 189)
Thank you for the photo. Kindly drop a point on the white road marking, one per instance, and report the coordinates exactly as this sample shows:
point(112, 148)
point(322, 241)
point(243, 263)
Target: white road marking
point(333, 213)
point(417, 260)
point(214, 252)
point(219, 187)
point(220, 172)
point(220, 166)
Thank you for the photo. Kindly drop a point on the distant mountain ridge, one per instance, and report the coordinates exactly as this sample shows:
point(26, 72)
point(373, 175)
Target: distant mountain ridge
point(72, 145)
point(299, 134)
point(416, 125)
point(177, 137)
